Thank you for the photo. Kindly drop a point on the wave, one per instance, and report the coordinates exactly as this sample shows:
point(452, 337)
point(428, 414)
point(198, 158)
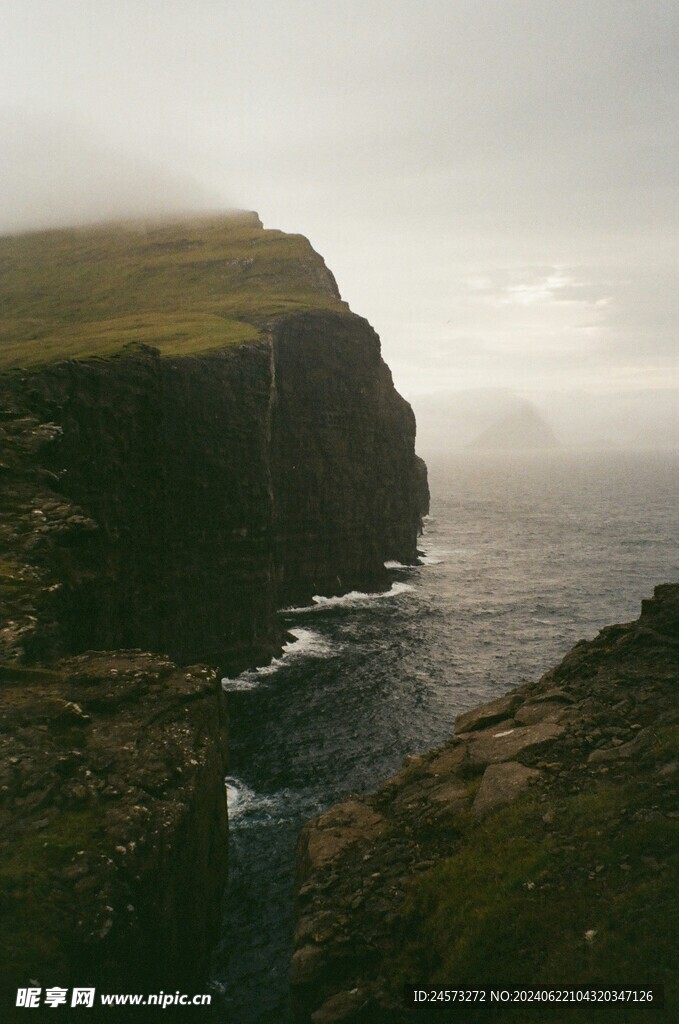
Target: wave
point(242, 801)
point(305, 643)
point(238, 796)
point(355, 598)
point(434, 556)
point(245, 681)
point(246, 805)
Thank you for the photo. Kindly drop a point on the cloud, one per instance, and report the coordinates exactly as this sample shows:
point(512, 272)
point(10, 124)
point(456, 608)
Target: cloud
point(54, 172)
point(493, 184)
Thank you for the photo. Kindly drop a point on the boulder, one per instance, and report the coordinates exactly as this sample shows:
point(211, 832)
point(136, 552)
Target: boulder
point(501, 785)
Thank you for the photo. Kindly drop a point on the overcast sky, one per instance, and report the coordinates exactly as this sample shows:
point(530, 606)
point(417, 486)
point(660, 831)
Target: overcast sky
point(493, 182)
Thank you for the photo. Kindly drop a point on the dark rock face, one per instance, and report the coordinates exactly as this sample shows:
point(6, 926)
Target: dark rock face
point(586, 761)
point(112, 768)
point(176, 487)
point(174, 504)
point(348, 492)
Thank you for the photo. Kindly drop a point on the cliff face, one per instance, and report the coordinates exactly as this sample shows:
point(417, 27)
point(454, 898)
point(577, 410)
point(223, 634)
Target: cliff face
point(338, 517)
point(538, 848)
point(113, 811)
point(165, 465)
point(170, 497)
point(177, 503)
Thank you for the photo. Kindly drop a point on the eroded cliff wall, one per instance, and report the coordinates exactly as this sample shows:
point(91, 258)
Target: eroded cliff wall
point(178, 502)
point(113, 825)
point(167, 462)
point(349, 492)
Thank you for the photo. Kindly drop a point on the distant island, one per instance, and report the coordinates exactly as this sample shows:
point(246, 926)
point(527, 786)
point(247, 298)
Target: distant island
point(641, 419)
point(520, 430)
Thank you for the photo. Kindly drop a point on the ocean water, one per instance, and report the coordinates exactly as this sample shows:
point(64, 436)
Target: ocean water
point(523, 556)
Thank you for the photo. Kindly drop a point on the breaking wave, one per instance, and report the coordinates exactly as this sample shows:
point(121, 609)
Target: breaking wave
point(242, 801)
point(305, 643)
point(354, 599)
point(433, 556)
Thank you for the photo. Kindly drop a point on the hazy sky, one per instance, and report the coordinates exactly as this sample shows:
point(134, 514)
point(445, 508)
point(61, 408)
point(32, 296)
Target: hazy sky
point(493, 182)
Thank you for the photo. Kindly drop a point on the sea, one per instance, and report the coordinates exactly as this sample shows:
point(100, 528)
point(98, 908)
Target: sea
point(522, 556)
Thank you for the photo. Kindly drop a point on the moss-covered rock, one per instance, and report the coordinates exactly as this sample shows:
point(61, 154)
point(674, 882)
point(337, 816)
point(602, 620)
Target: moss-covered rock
point(112, 797)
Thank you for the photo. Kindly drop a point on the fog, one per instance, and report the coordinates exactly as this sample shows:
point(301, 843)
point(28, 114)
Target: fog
point(55, 173)
point(629, 420)
point(493, 182)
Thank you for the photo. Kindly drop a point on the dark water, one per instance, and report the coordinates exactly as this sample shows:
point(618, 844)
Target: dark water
point(524, 556)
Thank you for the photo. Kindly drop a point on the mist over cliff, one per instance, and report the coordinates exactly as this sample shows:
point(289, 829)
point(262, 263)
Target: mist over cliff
point(90, 179)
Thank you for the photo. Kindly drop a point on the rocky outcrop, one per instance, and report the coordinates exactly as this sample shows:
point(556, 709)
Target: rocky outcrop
point(555, 803)
point(113, 805)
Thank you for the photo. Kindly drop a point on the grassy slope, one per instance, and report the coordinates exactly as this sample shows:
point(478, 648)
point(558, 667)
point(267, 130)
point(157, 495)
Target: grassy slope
point(516, 904)
point(183, 287)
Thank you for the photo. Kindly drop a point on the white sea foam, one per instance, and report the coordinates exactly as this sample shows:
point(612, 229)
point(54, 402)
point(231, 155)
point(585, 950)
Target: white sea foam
point(355, 598)
point(244, 804)
point(306, 642)
point(392, 564)
point(433, 556)
point(241, 800)
point(245, 681)
point(238, 796)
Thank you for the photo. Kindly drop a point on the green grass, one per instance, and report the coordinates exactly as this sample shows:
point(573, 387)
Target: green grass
point(514, 905)
point(32, 911)
point(184, 288)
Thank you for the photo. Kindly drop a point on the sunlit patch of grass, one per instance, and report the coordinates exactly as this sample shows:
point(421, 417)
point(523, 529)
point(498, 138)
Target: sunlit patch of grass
point(181, 287)
point(170, 334)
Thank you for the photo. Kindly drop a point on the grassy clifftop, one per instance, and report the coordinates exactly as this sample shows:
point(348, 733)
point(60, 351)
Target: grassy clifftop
point(182, 286)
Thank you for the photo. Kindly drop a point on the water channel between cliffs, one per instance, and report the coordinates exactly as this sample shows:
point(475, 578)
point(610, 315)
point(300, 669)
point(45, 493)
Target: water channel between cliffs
point(524, 556)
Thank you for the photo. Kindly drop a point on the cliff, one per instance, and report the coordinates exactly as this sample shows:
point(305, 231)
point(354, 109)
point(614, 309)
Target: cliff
point(538, 847)
point(172, 497)
point(111, 773)
point(195, 431)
